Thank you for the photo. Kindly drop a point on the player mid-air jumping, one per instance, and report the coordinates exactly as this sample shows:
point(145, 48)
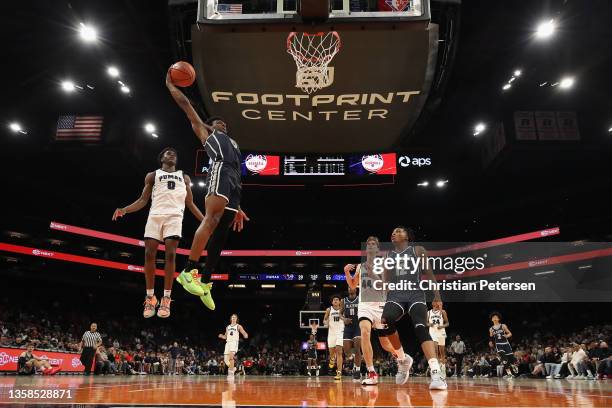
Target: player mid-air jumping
point(222, 203)
point(170, 191)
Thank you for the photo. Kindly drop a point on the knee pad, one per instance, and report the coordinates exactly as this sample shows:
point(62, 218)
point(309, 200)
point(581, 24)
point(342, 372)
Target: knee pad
point(418, 315)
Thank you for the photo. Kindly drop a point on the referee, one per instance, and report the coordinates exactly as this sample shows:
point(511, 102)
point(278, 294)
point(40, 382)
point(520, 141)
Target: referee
point(89, 344)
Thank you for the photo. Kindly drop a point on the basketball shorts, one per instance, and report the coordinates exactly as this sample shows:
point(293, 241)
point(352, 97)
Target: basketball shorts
point(231, 347)
point(438, 336)
point(335, 339)
point(504, 349)
point(371, 312)
point(406, 299)
point(351, 331)
point(224, 181)
point(161, 227)
point(312, 354)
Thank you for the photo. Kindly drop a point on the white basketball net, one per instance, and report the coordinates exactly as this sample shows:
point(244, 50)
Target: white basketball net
point(312, 54)
point(313, 328)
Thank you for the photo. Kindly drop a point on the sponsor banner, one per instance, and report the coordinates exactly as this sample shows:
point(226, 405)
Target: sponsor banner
point(260, 165)
point(524, 125)
point(546, 123)
point(60, 256)
point(568, 126)
point(69, 362)
point(414, 161)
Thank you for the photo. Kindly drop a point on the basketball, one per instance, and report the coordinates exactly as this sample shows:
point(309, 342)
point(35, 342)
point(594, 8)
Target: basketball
point(182, 74)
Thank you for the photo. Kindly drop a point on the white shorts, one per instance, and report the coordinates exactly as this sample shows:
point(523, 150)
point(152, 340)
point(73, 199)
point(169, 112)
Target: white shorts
point(438, 336)
point(335, 339)
point(231, 347)
point(160, 227)
point(371, 312)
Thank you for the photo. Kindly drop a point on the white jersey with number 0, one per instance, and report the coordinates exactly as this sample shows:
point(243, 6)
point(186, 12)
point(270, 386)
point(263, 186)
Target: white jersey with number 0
point(169, 192)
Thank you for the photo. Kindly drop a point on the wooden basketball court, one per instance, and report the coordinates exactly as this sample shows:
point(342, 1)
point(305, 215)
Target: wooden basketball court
point(305, 392)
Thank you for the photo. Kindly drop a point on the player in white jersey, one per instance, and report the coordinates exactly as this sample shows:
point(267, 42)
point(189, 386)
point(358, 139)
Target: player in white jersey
point(232, 338)
point(335, 320)
point(369, 311)
point(437, 320)
point(170, 192)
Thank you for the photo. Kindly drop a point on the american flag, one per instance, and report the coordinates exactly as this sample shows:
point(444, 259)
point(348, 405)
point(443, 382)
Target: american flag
point(229, 8)
point(79, 128)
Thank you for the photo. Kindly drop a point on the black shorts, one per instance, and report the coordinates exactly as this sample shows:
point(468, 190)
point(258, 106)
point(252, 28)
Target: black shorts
point(406, 299)
point(312, 354)
point(503, 349)
point(351, 331)
point(224, 181)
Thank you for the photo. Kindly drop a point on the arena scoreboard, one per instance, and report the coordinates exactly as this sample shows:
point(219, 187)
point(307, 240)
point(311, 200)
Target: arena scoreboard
point(374, 168)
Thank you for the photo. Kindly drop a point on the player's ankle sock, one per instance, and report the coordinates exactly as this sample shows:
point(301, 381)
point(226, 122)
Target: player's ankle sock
point(370, 369)
point(400, 353)
point(150, 292)
point(167, 293)
point(434, 366)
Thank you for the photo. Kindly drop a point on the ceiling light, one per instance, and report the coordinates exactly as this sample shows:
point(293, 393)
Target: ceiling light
point(125, 89)
point(517, 73)
point(506, 87)
point(441, 183)
point(113, 72)
point(566, 82)
point(423, 184)
point(88, 33)
point(68, 86)
point(545, 29)
point(149, 127)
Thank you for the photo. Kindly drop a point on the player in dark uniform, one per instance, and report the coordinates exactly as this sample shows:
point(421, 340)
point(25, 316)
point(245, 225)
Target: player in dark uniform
point(222, 201)
point(498, 338)
point(352, 332)
point(311, 355)
point(411, 302)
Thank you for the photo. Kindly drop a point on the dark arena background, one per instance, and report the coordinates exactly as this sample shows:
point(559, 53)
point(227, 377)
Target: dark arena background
point(476, 133)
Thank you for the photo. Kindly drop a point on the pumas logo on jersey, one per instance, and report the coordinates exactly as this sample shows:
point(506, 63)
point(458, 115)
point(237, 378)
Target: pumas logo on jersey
point(256, 162)
point(372, 162)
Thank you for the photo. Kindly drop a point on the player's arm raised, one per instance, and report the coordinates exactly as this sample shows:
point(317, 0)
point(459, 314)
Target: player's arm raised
point(201, 129)
point(243, 332)
point(142, 200)
point(189, 200)
point(420, 252)
point(352, 281)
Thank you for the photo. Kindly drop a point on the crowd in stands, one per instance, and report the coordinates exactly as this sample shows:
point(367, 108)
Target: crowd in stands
point(580, 355)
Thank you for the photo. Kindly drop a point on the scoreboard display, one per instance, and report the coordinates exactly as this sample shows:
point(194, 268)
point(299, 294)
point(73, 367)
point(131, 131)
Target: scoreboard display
point(293, 277)
point(314, 166)
point(367, 168)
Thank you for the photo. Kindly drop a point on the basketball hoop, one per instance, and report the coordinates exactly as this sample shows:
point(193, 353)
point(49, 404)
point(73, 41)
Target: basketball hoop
point(312, 54)
point(313, 328)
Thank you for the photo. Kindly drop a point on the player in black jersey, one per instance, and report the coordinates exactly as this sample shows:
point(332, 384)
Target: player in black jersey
point(222, 201)
point(352, 332)
point(311, 355)
point(411, 302)
point(498, 339)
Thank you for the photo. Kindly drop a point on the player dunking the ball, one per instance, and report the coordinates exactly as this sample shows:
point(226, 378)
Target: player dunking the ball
point(170, 191)
point(222, 203)
point(335, 320)
point(232, 338)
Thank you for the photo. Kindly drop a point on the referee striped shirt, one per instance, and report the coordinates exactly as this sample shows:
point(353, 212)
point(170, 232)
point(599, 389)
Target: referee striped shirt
point(91, 339)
